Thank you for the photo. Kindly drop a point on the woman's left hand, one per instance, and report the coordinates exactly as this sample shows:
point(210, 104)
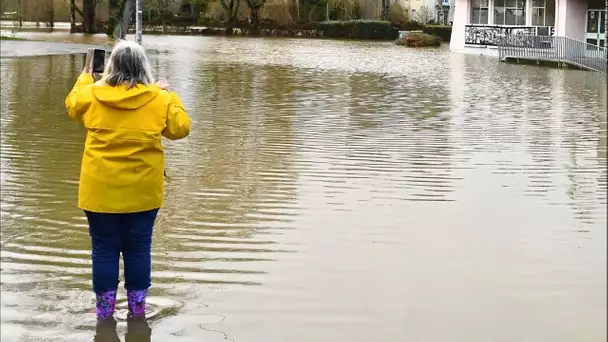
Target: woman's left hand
point(163, 84)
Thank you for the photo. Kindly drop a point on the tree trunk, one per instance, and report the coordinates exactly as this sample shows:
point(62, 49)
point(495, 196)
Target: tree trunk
point(114, 19)
point(72, 16)
point(231, 8)
point(254, 15)
point(20, 13)
point(52, 14)
point(255, 21)
point(162, 12)
point(385, 6)
point(89, 16)
point(127, 14)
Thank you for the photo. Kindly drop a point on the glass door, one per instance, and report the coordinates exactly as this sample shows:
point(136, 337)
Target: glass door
point(596, 31)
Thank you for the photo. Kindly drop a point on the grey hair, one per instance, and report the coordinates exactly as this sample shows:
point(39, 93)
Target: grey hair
point(128, 64)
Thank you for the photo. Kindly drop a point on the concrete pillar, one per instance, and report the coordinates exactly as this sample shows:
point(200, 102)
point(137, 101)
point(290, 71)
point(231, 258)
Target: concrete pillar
point(461, 18)
point(560, 17)
point(570, 18)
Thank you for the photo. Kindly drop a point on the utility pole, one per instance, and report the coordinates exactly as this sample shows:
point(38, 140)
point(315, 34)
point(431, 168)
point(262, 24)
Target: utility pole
point(20, 13)
point(72, 16)
point(138, 14)
point(52, 14)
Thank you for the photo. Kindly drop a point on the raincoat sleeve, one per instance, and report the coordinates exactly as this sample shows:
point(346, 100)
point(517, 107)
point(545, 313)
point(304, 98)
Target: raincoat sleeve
point(178, 122)
point(80, 98)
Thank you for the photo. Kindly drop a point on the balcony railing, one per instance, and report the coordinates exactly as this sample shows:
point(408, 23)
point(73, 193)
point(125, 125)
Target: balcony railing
point(490, 35)
point(562, 50)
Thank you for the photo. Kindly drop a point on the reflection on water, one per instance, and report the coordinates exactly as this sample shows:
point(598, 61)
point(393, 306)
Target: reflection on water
point(382, 199)
point(138, 330)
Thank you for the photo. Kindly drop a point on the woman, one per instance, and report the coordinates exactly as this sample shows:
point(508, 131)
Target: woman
point(121, 179)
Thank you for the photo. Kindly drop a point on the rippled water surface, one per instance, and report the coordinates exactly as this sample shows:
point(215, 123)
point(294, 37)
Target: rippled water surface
point(329, 191)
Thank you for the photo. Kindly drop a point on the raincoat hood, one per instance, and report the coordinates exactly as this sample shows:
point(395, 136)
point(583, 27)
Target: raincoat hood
point(123, 98)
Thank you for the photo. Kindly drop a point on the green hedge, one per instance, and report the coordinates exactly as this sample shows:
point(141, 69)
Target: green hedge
point(411, 25)
point(443, 32)
point(358, 29)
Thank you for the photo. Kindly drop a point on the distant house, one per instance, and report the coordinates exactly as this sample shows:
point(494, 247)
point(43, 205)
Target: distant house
point(429, 10)
point(480, 24)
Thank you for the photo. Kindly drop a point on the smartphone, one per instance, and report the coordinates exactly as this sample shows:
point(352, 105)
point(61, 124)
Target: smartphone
point(99, 60)
point(96, 59)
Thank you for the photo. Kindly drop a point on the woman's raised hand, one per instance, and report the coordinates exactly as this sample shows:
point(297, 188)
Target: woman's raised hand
point(162, 83)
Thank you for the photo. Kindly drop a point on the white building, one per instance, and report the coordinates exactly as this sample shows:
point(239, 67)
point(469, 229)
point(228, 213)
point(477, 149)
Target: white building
point(479, 24)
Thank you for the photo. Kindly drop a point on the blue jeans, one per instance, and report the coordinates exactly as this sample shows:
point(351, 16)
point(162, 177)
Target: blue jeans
point(129, 234)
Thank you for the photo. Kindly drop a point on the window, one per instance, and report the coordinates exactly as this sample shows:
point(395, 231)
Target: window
point(510, 12)
point(543, 12)
point(479, 12)
point(499, 12)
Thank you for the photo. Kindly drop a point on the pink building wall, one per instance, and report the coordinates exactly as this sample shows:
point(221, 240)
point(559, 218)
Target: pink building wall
point(571, 16)
point(576, 19)
point(561, 8)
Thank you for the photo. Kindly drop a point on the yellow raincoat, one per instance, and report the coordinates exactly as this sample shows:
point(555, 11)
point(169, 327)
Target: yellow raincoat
point(123, 161)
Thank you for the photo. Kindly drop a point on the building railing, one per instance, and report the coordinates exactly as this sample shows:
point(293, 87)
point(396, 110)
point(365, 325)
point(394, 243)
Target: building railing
point(490, 35)
point(554, 49)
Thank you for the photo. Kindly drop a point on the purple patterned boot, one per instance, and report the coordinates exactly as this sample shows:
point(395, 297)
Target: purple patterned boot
point(106, 302)
point(137, 303)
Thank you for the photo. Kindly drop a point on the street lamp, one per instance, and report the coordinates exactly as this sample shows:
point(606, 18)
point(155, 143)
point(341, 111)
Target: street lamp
point(138, 14)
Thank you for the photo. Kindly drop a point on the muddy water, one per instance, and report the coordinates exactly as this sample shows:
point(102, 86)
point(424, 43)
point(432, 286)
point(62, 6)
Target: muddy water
point(329, 192)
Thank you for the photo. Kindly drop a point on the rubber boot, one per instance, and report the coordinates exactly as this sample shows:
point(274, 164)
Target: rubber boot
point(137, 303)
point(106, 302)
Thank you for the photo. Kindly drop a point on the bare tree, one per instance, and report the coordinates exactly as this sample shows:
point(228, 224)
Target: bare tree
point(162, 8)
point(50, 22)
point(3, 6)
point(231, 8)
point(20, 14)
point(385, 10)
point(72, 16)
point(424, 15)
point(88, 14)
point(127, 14)
point(398, 14)
point(254, 9)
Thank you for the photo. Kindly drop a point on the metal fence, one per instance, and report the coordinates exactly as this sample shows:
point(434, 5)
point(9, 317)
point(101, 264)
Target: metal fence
point(554, 49)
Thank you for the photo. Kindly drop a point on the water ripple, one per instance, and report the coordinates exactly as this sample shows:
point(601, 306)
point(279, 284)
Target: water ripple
point(330, 190)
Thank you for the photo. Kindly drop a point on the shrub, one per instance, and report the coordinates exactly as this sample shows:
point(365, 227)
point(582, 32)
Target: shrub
point(398, 15)
point(415, 39)
point(441, 31)
point(182, 20)
point(358, 29)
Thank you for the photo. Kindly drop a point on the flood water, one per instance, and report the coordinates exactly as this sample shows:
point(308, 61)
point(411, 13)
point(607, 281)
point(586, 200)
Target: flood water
point(329, 191)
